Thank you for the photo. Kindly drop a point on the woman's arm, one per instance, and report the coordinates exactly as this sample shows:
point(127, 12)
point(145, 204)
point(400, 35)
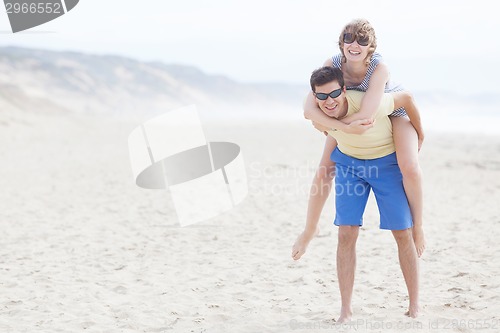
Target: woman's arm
point(405, 99)
point(373, 96)
point(314, 113)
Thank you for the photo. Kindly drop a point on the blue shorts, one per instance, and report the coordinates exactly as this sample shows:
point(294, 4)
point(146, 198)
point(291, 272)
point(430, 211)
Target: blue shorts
point(353, 180)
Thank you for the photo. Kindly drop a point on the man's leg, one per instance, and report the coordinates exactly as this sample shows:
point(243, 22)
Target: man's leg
point(351, 196)
point(346, 267)
point(408, 260)
point(395, 215)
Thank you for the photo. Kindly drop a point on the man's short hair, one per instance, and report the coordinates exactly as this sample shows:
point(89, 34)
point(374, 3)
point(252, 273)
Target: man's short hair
point(326, 75)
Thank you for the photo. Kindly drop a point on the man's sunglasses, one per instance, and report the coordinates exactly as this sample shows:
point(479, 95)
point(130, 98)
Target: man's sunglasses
point(334, 94)
point(349, 38)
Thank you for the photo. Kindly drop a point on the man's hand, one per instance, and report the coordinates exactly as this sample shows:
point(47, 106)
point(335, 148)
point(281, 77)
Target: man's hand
point(359, 126)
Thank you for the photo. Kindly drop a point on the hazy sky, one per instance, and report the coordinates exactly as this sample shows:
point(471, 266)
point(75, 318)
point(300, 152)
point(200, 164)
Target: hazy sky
point(276, 40)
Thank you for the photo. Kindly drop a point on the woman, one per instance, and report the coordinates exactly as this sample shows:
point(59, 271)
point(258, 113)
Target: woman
point(364, 70)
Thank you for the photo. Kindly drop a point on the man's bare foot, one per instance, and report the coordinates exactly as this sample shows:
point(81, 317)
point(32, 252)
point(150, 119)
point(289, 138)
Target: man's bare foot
point(418, 239)
point(412, 312)
point(300, 246)
point(345, 316)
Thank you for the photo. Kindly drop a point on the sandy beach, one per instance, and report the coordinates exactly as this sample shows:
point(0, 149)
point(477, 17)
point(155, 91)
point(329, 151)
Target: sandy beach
point(83, 249)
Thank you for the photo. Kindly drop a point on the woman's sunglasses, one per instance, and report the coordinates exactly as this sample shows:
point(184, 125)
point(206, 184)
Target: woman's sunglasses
point(349, 38)
point(334, 94)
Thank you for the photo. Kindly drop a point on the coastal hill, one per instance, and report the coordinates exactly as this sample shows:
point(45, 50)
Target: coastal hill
point(49, 81)
point(41, 80)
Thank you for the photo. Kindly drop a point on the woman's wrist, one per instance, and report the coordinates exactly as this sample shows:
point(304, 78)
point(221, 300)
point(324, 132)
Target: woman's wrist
point(340, 127)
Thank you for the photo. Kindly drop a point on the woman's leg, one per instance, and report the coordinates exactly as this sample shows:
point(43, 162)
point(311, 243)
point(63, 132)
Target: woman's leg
point(406, 142)
point(320, 189)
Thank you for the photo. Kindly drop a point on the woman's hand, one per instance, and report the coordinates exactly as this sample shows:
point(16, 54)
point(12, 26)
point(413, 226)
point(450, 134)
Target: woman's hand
point(420, 140)
point(359, 126)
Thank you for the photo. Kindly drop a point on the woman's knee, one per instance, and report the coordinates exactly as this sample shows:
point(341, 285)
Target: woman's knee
point(410, 168)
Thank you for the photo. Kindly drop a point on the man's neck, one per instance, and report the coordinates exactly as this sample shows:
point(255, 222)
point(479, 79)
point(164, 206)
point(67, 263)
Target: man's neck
point(344, 113)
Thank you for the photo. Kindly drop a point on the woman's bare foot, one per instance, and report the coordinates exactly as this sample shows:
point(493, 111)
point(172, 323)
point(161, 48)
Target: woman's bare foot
point(300, 246)
point(418, 239)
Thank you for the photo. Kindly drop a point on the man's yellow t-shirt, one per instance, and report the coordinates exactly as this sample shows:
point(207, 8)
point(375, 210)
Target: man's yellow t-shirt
point(375, 142)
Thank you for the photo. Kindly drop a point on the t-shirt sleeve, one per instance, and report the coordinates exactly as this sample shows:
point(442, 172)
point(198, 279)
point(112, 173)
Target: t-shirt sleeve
point(354, 98)
point(387, 104)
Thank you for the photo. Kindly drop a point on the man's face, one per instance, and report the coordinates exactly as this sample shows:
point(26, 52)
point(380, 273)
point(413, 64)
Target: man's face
point(332, 107)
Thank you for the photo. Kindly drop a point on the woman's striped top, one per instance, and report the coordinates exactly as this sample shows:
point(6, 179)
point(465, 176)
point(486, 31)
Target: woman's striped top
point(363, 86)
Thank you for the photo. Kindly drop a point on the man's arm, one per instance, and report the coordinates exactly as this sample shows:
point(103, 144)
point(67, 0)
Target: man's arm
point(405, 99)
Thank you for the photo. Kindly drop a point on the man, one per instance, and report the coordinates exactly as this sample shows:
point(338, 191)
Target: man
point(360, 163)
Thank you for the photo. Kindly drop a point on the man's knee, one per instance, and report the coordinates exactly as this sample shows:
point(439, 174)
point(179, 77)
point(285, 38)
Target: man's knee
point(403, 236)
point(348, 235)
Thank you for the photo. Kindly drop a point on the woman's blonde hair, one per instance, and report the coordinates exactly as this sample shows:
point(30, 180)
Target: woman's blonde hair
point(359, 27)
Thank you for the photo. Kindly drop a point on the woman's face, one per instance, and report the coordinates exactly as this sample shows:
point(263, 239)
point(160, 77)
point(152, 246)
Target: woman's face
point(352, 46)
